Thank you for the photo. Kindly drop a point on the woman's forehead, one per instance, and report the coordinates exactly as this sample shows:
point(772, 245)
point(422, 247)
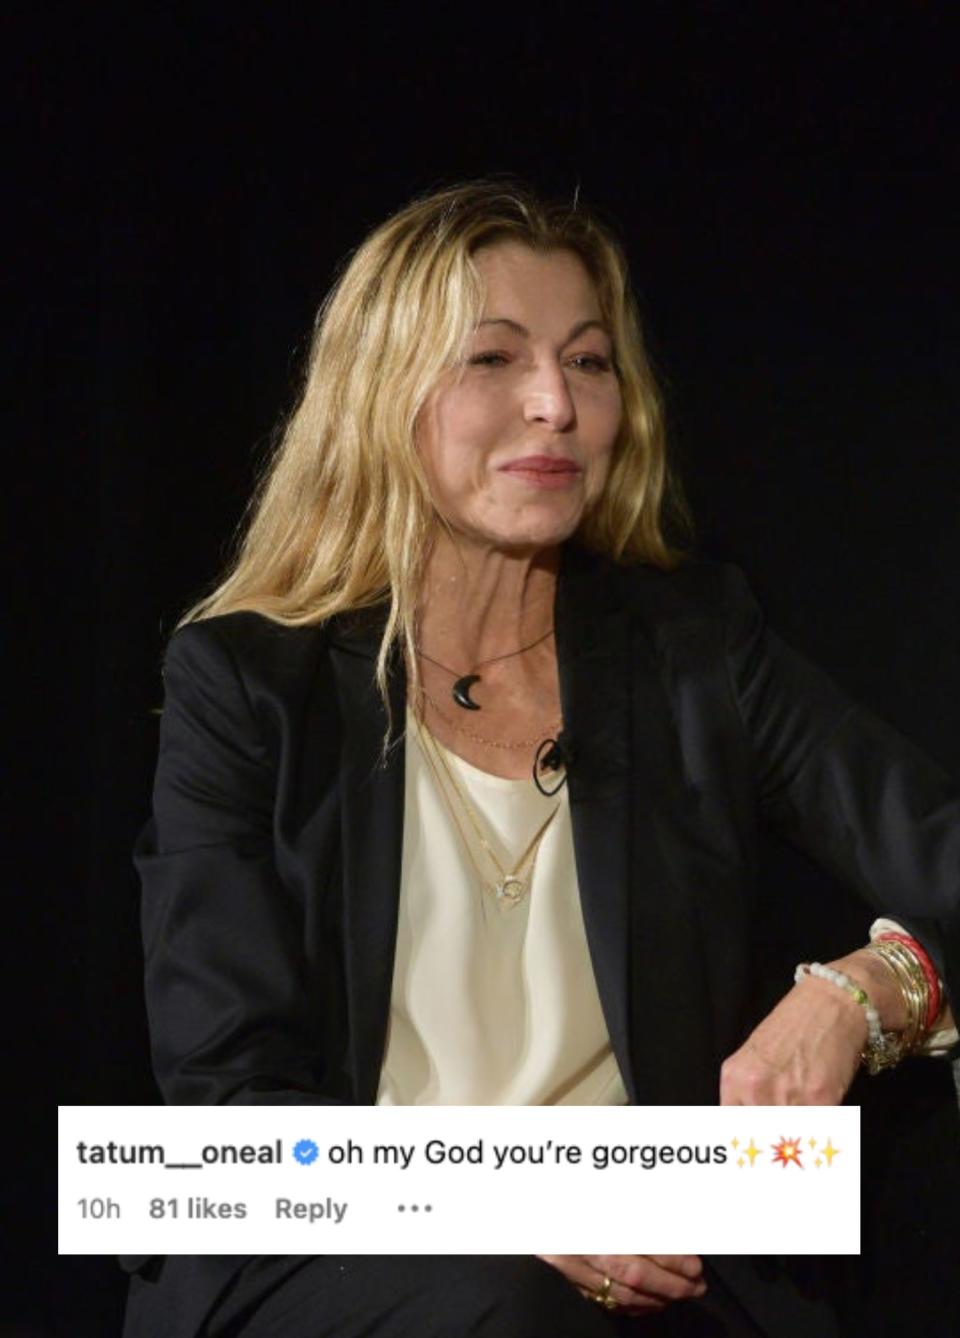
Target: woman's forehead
point(520, 282)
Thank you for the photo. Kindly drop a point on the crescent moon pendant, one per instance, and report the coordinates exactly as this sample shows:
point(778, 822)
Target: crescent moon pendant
point(461, 692)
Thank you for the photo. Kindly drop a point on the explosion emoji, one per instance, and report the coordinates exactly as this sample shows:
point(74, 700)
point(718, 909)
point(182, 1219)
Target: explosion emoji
point(787, 1150)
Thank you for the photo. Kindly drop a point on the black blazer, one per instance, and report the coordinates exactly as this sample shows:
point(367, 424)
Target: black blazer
point(271, 866)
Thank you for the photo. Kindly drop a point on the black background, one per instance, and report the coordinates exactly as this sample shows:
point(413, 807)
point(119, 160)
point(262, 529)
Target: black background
point(193, 176)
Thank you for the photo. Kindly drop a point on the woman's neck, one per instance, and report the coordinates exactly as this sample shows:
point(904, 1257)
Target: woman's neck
point(481, 602)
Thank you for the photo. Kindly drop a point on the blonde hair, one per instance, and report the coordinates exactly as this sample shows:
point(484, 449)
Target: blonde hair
point(342, 517)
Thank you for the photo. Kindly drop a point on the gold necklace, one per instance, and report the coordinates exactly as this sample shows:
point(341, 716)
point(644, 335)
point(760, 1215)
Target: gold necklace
point(479, 738)
point(510, 885)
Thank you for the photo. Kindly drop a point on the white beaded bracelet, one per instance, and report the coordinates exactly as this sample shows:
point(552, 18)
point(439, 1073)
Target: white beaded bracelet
point(883, 1049)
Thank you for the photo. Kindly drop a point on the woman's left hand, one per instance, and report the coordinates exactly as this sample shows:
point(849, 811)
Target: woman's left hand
point(806, 1051)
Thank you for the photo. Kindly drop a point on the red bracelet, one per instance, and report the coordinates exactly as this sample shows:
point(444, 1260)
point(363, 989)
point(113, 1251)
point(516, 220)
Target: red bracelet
point(928, 968)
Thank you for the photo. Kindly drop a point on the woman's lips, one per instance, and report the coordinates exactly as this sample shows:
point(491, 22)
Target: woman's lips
point(543, 471)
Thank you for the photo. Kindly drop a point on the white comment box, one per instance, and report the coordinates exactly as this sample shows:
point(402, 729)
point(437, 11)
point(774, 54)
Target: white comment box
point(459, 1180)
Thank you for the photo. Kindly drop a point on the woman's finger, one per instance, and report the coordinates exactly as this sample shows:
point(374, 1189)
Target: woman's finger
point(588, 1278)
point(643, 1276)
point(687, 1265)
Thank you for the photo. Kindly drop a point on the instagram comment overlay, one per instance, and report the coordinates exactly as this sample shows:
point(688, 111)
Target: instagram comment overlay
point(459, 1179)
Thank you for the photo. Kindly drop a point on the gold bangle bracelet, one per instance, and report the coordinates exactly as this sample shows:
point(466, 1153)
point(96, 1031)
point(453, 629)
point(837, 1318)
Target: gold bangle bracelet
point(911, 993)
point(913, 985)
point(920, 986)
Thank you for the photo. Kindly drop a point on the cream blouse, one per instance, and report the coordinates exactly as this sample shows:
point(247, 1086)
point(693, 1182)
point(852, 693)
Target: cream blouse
point(492, 1004)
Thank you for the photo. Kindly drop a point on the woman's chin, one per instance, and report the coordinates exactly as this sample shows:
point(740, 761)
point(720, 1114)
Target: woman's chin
point(535, 529)
point(534, 539)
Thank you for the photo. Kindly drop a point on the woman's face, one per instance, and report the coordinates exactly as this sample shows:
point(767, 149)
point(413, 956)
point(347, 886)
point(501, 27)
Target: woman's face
point(517, 443)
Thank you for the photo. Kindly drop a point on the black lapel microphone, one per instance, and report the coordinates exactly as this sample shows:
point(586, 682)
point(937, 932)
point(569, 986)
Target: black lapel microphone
point(552, 755)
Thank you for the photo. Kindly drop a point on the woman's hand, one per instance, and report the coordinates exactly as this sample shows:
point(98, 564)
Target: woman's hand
point(806, 1051)
point(643, 1284)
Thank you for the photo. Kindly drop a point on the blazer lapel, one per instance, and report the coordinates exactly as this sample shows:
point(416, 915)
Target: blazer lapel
point(671, 1011)
point(372, 794)
point(592, 633)
point(631, 810)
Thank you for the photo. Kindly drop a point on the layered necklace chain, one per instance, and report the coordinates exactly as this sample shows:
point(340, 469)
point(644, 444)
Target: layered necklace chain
point(508, 744)
point(508, 885)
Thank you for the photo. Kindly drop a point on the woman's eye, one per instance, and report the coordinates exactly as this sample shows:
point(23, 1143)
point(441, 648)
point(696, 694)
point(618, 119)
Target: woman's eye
point(488, 360)
point(584, 362)
point(591, 362)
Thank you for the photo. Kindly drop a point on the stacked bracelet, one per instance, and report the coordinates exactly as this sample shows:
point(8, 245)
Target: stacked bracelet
point(916, 950)
point(883, 1048)
point(914, 987)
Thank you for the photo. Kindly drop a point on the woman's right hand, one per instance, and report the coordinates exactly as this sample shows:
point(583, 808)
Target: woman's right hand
point(643, 1284)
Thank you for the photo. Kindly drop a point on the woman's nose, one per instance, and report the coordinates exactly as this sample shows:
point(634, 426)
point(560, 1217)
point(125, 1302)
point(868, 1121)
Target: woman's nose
point(547, 398)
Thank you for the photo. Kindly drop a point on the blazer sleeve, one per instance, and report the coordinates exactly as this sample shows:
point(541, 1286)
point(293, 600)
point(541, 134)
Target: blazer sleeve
point(845, 787)
point(225, 975)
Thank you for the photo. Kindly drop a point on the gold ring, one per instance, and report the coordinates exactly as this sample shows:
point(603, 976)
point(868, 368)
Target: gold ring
point(603, 1297)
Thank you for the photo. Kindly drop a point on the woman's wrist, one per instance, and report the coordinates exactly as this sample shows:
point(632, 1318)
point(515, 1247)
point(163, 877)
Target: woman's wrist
point(880, 986)
point(857, 990)
point(834, 1000)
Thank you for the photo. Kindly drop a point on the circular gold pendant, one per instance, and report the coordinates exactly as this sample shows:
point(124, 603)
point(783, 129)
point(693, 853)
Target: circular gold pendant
point(510, 889)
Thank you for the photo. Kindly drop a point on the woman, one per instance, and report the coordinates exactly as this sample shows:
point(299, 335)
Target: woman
point(462, 768)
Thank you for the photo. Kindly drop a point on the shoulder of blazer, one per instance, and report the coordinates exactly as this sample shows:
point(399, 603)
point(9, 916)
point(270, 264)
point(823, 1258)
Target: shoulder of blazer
point(273, 657)
point(253, 641)
point(264, 692)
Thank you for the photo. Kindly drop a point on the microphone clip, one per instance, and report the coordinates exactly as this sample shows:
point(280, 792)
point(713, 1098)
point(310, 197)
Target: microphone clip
point(550, 756)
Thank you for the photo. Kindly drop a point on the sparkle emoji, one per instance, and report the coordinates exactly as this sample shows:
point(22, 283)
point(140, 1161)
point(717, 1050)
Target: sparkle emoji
point(830, 1152)
point(786, 1151)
